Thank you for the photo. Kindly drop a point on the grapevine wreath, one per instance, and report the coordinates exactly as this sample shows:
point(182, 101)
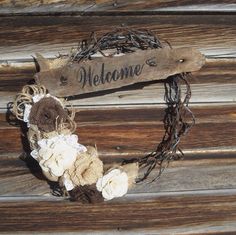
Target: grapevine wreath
point(79, 171)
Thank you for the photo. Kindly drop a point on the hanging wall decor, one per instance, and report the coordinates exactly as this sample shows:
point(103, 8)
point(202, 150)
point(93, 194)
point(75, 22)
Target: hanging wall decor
point(117, 59)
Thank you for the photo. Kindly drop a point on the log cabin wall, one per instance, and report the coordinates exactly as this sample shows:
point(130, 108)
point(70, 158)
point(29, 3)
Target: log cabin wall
point(194, 196)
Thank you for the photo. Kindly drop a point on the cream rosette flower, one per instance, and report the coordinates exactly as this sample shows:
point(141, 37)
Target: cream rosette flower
point(113, 184)
point(57, 154)
point(85, 171)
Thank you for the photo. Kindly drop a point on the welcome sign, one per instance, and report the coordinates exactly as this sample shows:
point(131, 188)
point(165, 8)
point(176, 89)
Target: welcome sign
point(104, 73)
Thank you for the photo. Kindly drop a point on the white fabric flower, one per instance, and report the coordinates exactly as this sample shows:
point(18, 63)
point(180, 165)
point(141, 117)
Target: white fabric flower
point(113, 184)
point(57, 154)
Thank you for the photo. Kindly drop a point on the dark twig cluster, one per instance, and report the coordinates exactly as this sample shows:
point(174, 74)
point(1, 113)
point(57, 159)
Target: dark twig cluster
point(178, 117)
point(123, 40)
point(176, 125)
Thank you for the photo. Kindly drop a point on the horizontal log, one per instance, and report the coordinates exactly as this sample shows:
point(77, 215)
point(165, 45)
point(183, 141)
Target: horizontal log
point(185, 213)
point(25, 179)
point(104, 116)
point(209, 170)
point(51, 6)
point(151, 114)
point(215, 82)
point(142, 94)
point(21, 36)
point(131, 131)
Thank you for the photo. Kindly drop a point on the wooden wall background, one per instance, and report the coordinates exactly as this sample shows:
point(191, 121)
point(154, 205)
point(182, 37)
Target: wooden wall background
point(194, 196)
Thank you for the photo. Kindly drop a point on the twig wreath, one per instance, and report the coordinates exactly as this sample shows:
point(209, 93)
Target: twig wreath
point(77, 168)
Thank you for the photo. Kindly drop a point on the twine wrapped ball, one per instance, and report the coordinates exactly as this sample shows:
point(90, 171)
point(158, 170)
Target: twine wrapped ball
point(47, 113)
point(85, 171)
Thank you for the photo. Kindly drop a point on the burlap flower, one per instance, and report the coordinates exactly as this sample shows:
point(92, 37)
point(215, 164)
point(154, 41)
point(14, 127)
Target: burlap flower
point(47, 113)
point(57, 154)
point(113, 184)
point(85, 171)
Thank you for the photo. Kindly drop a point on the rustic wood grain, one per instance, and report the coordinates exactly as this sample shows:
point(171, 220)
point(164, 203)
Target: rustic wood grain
point(142, 94)
point(211, 113)
point(135, 139)
point(215, 127)
point(60, 6)
point(213, 34)
point(151, 114)
point(188, 212)
point(215, 82)
point(18, 177)
point(155, 6)
point(206, 170)
point(110, 139)
point(128, 139)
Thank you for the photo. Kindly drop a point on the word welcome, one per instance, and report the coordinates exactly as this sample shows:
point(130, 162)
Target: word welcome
point(87, 76)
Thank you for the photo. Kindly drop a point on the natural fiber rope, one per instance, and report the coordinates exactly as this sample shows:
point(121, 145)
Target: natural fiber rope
point(34, 90)
point(25, 97)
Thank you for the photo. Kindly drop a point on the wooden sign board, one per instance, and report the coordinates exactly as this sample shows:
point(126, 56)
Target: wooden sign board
point(104, 73)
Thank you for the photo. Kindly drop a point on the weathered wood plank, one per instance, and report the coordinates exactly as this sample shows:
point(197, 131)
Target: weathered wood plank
point(21, 178)
point(185, 212)
point(141, 94)
point(155, 6)
point(128, 139)
point(212, 34)
point(201, 171)
point(51, 6)
point(215, 127)
point(110, 139)
point(214, 113)
point(215, 82)
point(151, 114)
